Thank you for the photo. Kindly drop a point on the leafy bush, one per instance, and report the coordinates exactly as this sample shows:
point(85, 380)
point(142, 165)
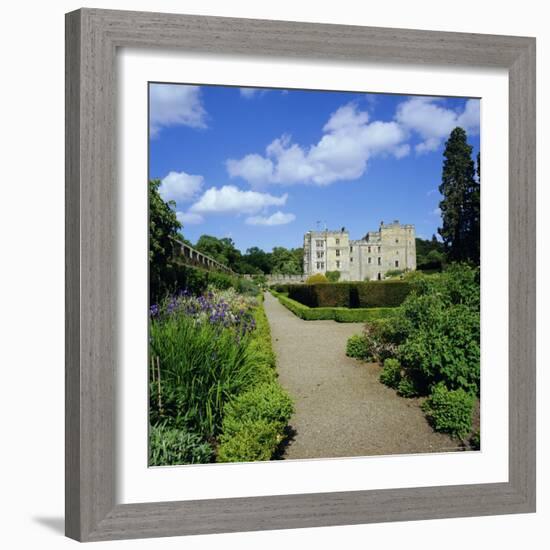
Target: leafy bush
point(253, 424)
point(391, 373)
point(435, 333)
point(357, 347)
point(333, 276)
point(443, 342)
point(317, 278)
point(171, 446)
point(475, 441)
point(450, 411)
point(407, 387)
point(255, 441)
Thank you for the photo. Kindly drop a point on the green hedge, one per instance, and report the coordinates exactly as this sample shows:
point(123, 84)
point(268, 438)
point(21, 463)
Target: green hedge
point(254, 421)
point(340, 314)
point(350, 295)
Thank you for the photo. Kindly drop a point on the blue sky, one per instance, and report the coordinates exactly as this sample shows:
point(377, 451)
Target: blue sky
point(265, 166)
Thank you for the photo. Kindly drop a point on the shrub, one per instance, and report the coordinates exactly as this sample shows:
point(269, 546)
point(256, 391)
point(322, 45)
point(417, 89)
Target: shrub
point(475, 441)
point(443, 342)
point(382, 293)
point(407, 387)
point(333, 276)
point(317, 278)
point(255, 441)
point(171, 446)
point(254, 423)
point(450, 411)
point(357, 347)
point(351, 295)
point(391, 373)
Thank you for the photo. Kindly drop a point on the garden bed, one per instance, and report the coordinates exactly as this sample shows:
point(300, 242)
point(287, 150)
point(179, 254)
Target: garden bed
point(214, 394)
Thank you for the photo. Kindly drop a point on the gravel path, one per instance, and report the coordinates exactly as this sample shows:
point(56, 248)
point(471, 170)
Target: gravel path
point(341, 407)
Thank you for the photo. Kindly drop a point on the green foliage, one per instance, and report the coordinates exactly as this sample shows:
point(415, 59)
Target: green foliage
point(356, 347)
point(391, 373)
point(442, 326)
point(201, 368)
point(394, 273)
point(196, 280)
point(460, 207)
point(172, 446)
point(350, 295)
point(475, 441)
point(450, 411)
point(339, 314)
point(430, 255)
point(163, 228)
point(407, 387)
point(315, 279)
point(255, 441)
point(333, 276)
point(253, 424)
point(287, 262)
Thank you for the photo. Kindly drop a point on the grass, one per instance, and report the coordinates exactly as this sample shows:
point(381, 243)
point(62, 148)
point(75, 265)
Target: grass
point(339, 314)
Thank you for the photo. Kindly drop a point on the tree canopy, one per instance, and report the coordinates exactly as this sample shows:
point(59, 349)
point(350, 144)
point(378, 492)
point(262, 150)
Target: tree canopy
point(163, 228)
point(460, 206)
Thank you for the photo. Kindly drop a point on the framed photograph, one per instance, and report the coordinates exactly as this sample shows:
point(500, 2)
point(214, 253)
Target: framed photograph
point(300, 275)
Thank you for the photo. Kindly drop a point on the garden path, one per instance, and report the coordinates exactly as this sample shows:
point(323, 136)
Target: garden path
point(341, 408)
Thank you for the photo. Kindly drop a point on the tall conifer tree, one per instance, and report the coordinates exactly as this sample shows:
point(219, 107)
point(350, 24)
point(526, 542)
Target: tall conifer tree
point(460, 204)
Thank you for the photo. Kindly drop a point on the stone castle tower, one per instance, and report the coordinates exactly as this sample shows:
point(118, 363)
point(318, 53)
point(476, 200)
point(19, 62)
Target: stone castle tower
point(392, 247)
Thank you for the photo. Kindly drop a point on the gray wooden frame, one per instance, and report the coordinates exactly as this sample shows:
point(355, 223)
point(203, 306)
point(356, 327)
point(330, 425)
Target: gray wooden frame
point(92, 39)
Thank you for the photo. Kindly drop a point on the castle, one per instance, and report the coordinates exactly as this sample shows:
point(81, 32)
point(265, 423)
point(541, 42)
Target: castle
point(392, 247)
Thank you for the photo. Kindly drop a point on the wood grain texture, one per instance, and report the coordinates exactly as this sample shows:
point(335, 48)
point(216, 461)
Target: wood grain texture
point(92, 37)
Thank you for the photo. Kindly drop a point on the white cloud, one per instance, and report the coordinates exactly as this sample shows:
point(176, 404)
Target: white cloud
point(278, 218)
point(433, 122)
point(175, 104)
point(231, 199)
point(180, 187)
point(249, 93)
point(348, 142)
point(189, 218)
point(436, 211)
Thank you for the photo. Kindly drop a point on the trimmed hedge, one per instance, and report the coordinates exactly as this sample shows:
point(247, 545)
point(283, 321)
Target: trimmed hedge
point(254, 421)
point(340, 314)
point(350, 295)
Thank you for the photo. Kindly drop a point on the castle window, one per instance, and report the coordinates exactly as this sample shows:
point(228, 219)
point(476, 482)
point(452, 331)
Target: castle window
point(379, 277)
point(378, 249)
point(369, 249)
point(370, 260)
point(320, 255)
point(338, 264)
point(337, 241)
point(396, 263)
point(351, 248)
point(319, 244)
point(351, 260)
point(396, 241)
point(338, 252)
point(379, 261)
point(322, 265)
